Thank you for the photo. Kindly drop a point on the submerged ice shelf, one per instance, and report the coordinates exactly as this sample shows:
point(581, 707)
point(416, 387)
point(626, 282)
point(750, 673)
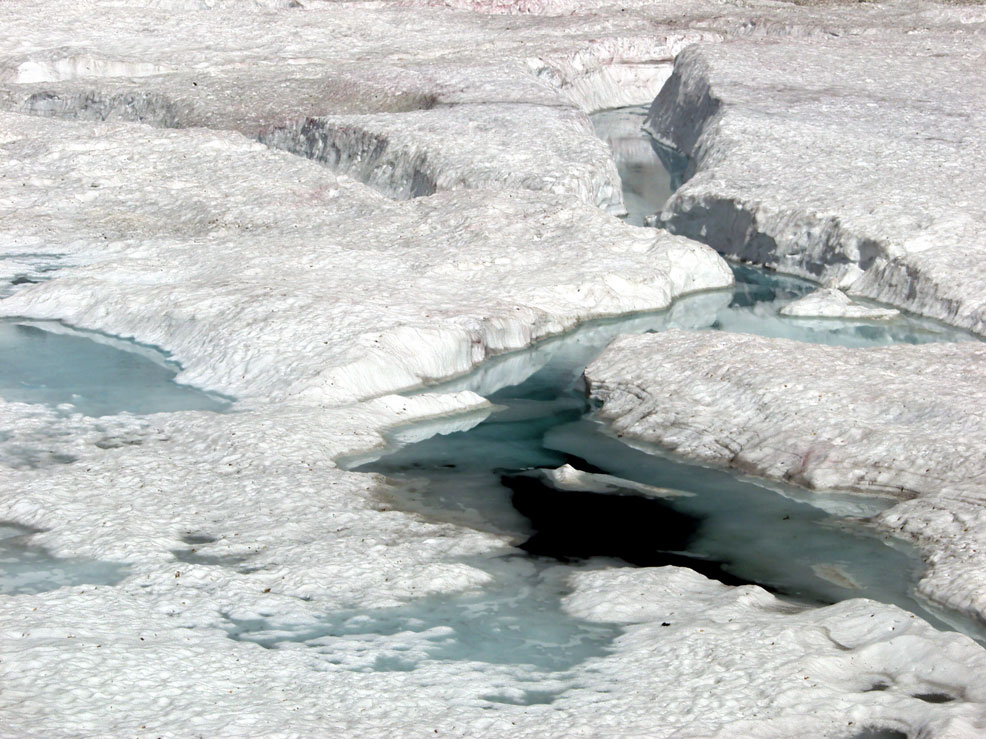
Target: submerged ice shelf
point(91, 374)
point(19, 270)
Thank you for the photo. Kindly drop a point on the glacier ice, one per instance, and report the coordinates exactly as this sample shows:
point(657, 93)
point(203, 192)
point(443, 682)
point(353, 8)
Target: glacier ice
point(313, 299)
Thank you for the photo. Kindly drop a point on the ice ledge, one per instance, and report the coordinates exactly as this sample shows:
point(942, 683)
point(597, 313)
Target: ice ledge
point(862, 177)
point(412, 154)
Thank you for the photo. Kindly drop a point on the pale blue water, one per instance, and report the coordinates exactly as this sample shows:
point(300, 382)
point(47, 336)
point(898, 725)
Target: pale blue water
point(736, 526)
point(77, 372)
point(27, 569)
point(647, 184)
point(779, 536)
point(518, 623)
point(91, 374)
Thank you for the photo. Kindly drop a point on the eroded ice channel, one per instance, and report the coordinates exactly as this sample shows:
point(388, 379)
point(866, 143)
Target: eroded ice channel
point(649, 174)
point(512, 474)
point(498, 475)
point(501, 475)
point(90, 373)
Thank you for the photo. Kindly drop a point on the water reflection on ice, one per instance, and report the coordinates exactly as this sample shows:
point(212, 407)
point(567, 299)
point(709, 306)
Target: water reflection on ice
point(646, 182)
point(759, 295)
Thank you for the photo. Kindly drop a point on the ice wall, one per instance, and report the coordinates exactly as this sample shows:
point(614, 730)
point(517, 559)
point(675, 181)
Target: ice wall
point(831, 171)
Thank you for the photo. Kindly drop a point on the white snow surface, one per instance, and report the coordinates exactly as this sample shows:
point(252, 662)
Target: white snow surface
point(312, 298)
point(910, 426)
point(830, 302)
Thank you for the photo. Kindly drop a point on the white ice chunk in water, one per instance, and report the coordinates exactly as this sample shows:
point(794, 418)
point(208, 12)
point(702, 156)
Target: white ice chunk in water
point(832, 303)
point(92, 374)
point(567, 477)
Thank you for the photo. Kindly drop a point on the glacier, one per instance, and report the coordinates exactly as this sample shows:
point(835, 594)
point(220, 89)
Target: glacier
point(316, 209)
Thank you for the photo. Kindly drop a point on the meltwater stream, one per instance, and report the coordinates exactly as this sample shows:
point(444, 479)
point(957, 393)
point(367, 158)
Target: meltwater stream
point(503, 475)
point(543, 473)
point(533, 471)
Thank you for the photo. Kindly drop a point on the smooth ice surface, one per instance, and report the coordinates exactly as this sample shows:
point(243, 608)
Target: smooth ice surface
point(90, 374)
point(26, 568)
point(833, 303)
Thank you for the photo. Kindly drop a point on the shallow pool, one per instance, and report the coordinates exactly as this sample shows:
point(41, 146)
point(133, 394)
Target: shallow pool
point(26, 568)
point(90, 373)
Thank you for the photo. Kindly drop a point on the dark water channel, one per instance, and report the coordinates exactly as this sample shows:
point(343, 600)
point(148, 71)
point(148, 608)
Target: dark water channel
point(567, 495)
